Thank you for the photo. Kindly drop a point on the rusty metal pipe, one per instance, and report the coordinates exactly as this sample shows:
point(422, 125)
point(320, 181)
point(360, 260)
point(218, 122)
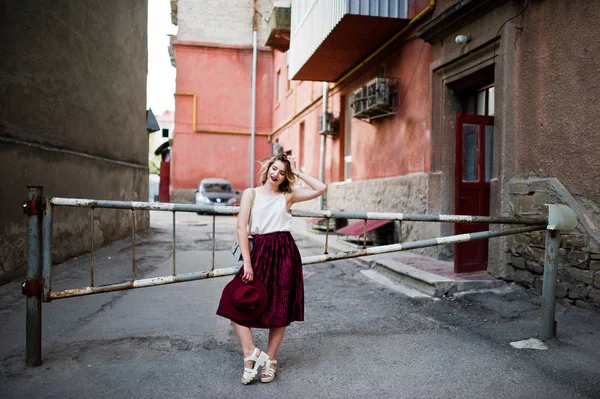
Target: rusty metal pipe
point(365, 235)
point(214, 222)
point(47, 250)
point(306, 261)
point(32, 286)
point(547, 326)
point(419, 244)
point(234, 210)
point(92, 252)
point(132, 245)
point(174, 248)
point(326, 237)
point(147, 282)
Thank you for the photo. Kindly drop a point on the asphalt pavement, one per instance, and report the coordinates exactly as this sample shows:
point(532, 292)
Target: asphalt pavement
point(360, 339)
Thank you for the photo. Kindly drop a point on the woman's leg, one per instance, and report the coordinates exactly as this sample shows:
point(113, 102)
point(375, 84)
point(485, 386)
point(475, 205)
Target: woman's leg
point(244, 335)
point(275, 338)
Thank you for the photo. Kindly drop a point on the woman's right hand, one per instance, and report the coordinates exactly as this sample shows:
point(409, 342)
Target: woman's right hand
point(248, 274)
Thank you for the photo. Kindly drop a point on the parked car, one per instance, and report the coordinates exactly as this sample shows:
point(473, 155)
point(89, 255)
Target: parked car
point(217, 192)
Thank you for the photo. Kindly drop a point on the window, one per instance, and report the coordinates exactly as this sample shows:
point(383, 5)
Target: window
point(165, 133)
point(481, 102)
point(348, 140)
point(278, 86)
point(301, 153)
point(276, 147)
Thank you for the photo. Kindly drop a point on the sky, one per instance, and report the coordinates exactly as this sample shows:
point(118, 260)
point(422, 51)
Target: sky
point(161, 75)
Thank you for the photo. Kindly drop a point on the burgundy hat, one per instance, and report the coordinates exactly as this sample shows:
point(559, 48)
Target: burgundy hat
point(243, 301)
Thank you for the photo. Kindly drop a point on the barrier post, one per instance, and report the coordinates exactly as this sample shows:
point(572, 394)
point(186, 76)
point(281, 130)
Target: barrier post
point(32, 287)
point(548, 325)
point(560, 218)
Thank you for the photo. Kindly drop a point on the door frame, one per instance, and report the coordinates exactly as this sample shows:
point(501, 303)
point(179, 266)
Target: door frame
point(453, 74)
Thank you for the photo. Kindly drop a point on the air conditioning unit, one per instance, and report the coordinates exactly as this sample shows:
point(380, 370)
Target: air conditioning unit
point(331, 126)
point(376, 99)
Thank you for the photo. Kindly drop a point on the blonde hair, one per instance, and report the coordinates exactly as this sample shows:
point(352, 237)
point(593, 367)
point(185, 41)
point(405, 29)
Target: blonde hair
point(287, 186)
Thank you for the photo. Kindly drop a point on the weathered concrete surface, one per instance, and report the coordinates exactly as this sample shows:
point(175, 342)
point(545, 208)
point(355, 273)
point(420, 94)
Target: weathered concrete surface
point(72, 115)
point(406, 194)
point(358, 339)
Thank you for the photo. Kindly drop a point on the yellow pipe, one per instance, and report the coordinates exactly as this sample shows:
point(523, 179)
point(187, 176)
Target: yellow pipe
point(194, 110)
point(229, 132)
point(293, 118)
point(412, 22)
point(195, 130)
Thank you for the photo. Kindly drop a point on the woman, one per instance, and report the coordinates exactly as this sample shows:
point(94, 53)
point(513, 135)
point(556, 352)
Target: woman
point(275, 260)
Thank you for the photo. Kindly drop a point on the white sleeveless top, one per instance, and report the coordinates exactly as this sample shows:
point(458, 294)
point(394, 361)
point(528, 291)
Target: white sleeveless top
point(269, 214)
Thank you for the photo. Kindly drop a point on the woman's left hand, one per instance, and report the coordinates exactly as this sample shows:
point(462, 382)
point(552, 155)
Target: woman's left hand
point(293, 165)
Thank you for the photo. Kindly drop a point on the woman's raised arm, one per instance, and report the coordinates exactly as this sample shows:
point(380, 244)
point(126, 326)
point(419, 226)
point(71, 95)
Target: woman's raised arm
point(317, 187)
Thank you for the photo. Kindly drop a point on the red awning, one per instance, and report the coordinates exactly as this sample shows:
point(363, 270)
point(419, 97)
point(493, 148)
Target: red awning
point(358, 228)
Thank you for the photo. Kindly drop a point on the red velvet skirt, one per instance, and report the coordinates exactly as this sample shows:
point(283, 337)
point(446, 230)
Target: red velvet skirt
point(277, 263)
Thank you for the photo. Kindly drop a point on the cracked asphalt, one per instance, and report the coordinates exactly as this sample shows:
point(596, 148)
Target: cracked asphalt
point(359, 339)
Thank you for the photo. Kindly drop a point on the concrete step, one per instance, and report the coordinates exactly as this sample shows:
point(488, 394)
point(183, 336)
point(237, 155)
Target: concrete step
point(429, 283)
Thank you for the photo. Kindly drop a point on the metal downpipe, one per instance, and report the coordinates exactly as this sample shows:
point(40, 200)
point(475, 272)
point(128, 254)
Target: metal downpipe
point(253, 94)
point(33, 286)
point(323, 141)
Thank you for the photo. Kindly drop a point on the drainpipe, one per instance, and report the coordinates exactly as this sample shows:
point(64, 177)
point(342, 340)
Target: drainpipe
point(323, 142)
point(253, 93)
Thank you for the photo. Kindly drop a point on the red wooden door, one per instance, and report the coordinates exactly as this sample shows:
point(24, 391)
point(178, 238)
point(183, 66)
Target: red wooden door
point(474, 152)
point(165, 181)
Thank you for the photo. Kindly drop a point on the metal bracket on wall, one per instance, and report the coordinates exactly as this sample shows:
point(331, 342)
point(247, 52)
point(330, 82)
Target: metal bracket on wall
point(32, 287)
point(32, 207)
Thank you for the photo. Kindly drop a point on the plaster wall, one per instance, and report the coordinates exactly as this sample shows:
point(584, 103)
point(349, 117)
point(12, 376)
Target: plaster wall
point(302, 105)
point(71, 76)
point(220, 78)
point(196, 156)
point(72, 117)
point(308, 153)
point(558, 95)
point(390, 146)
point(399, 144)
point(225, 23)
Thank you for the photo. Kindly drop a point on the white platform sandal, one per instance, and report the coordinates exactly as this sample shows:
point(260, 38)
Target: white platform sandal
point(259, 358)
point(268, 371)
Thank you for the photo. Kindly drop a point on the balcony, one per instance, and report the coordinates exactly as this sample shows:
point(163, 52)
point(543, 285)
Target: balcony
point(279, 29)
point(329, 37)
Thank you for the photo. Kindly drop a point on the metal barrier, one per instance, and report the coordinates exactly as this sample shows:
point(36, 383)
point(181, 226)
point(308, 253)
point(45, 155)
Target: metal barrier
point(38, 285)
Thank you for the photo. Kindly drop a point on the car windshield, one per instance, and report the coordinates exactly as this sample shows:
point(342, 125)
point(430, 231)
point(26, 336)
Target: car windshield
point(216, 187)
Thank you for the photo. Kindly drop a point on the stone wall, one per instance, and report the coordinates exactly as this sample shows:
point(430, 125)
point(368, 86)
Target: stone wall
point(579, 253)
point(406, 194)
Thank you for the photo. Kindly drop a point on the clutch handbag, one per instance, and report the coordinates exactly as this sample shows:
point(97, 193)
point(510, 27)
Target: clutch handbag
point(236, 250)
